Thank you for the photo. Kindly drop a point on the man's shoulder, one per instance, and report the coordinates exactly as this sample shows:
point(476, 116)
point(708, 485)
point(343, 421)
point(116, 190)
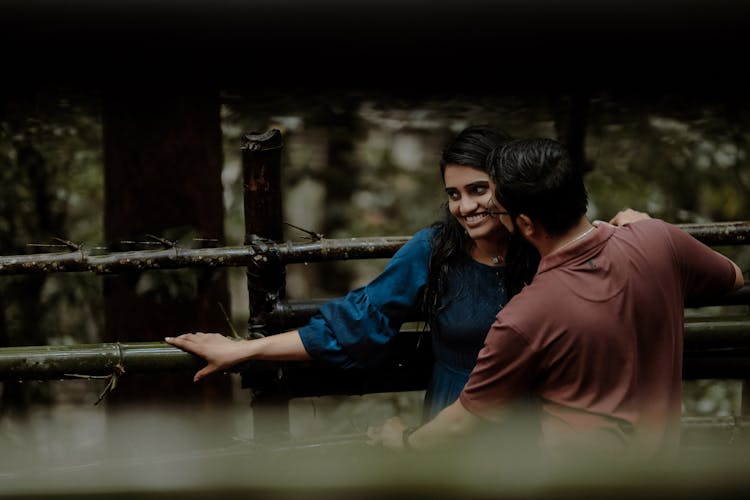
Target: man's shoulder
point(647, 226)
point(649, 233)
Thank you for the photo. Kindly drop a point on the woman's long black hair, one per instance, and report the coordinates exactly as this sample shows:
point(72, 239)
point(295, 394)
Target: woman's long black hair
point(451, 244)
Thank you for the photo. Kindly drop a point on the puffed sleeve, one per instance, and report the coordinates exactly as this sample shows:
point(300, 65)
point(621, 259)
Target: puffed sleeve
point(352, 331)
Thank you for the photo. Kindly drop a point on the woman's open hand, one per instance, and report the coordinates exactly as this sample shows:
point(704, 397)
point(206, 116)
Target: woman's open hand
point(220, 352)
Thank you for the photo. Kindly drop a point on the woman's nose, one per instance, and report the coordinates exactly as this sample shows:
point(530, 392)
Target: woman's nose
point(468, 205)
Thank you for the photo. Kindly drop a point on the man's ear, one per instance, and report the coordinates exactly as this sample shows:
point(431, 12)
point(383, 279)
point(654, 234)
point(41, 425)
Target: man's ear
point(526, 225)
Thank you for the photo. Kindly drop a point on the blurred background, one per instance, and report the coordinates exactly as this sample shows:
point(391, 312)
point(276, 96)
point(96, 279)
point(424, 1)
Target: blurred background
point(119, 123)
point(355, 164)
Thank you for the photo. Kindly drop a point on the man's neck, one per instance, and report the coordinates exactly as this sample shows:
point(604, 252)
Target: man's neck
point(548, 243)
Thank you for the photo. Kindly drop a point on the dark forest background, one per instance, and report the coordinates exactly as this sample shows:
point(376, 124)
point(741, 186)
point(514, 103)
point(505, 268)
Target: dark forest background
point(123, 121)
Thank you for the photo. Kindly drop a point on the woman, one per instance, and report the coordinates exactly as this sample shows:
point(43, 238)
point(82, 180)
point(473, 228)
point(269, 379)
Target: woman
point(453, 272)
point(458, 273)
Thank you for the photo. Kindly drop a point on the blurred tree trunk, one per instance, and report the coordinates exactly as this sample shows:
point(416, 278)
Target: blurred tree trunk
point(42, 222)
point(571, 113)
point(163, 162)
point(737, 114)
point(341, 180)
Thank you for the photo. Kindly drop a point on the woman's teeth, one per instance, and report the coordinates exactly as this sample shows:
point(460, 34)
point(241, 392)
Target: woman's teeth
point(475, 218)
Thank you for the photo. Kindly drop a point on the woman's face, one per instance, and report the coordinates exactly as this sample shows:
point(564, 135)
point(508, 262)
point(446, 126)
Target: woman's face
point(470, 193)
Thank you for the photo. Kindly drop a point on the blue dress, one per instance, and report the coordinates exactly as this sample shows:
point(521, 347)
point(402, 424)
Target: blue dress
point(353, 331)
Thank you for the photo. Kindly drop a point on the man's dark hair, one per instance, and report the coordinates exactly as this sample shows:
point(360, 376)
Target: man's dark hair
point(535, 177)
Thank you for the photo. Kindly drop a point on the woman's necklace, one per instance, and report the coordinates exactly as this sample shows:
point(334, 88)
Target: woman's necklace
point(580, 236)
point(481, 255)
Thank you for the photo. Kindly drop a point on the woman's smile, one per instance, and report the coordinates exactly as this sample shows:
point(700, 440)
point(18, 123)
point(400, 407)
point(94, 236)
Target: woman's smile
point(475, 219)
point(469, 193)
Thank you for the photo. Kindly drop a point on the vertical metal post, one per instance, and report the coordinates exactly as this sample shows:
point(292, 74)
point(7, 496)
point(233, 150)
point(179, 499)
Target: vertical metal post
point(261, 167)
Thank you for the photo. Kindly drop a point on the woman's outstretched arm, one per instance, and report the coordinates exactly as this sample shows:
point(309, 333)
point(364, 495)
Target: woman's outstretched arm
point(222, 353)
point(347, 332)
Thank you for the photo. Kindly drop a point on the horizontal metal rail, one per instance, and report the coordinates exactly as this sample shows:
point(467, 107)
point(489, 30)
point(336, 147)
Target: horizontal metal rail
point(712, 350)
point(258, 254)
point(727, 423)
point(92, 360)
point(721, 334)
point(253, 255)
point(734, 298)
point(719, 233)
point(707, 432)
point(289, 314)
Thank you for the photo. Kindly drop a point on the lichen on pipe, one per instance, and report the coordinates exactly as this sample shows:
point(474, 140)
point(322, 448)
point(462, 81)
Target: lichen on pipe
point(255, 255)
point(259, 254)
point(59, 362)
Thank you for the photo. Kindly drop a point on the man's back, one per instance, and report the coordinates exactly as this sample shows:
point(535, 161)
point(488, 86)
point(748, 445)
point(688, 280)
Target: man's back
point(598, 336)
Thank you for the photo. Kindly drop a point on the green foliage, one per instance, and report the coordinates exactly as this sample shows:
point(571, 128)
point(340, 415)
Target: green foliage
point(51, 185)
point(711, 398)
point(676, 167)
point(681, 158)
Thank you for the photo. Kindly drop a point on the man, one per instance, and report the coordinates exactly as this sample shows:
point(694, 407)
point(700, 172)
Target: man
point(597, 336)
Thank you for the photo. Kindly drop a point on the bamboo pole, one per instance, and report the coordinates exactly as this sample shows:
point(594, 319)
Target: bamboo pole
point(289, 314)
point(93, 360)
point(252, 255)
point(717, 334)
point(733, 298)
point(719, 233)
point(716, 422)
point(721, 348)
point(713, 431)
point(266, 284)
point(258, 253)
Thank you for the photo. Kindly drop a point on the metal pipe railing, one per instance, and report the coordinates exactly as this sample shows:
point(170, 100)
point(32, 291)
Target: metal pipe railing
point(92, 360)
point(720, 346)
point(252, 255)
point(261, 253)
point(289, 314)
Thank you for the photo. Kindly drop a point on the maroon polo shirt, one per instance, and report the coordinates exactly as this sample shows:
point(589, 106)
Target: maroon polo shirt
point(598, 337)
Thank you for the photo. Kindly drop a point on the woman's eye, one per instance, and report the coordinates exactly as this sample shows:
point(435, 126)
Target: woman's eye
point(480, 190)
point(454, 196)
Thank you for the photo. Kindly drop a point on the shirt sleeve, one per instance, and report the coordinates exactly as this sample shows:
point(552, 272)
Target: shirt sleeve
point(353, 331)
point(504, 372)
point(705, 272)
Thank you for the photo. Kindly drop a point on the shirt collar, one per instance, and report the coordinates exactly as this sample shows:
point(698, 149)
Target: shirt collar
point(582, 248)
